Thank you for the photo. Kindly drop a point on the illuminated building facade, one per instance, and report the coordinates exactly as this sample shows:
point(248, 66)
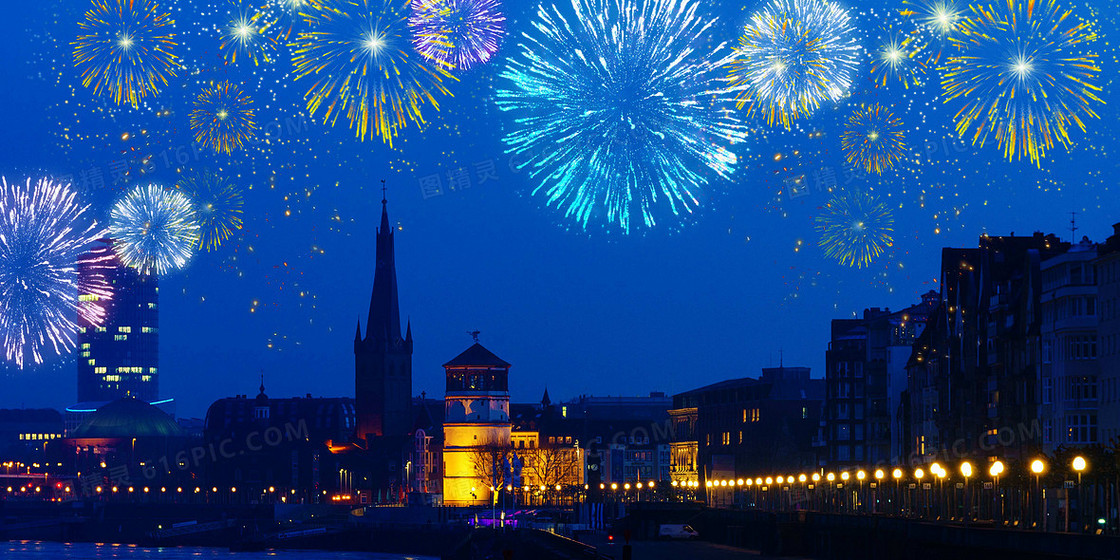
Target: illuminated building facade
point(476, 428)
point(119, 358)
point(382, 358)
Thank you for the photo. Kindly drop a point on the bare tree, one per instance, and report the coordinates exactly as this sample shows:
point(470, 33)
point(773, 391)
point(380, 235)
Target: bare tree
point(490, 464)
point(552, 465)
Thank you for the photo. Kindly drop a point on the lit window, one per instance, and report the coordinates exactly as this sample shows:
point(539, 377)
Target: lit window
point(92, 361)
point(124, 329)
point(120, 337)
point(145, 378)
point(101, 369)
point(148, 329)
point(85, 346)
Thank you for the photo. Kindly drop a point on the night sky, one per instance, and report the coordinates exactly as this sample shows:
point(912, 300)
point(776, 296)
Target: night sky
point(717, 295)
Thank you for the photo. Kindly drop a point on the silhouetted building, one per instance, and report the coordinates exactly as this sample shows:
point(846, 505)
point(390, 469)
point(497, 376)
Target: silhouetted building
point(866, 380)
point(1108, 299)
point(285, 444)
point(974, 373)
point(1069, 362)
point(126, 442)
point(748, 426)
point(23, 432)
point(120, 357)
point(382, 358)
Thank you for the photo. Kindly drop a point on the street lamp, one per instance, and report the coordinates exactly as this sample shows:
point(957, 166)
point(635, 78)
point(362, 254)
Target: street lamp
point(1037, 466)
point(1079, 465)
point(966, 471)
point(995, 470)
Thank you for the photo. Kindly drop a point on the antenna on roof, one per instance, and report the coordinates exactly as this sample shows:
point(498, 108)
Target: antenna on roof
point(474, 335)
point(383, 201)
point(1073, 226)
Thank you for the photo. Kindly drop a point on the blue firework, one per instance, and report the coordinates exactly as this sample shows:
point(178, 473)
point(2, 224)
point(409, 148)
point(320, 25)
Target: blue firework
point(619, 113)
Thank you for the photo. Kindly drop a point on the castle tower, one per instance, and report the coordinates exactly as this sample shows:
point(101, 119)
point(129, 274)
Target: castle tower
point(476, 427)
point(382, 358)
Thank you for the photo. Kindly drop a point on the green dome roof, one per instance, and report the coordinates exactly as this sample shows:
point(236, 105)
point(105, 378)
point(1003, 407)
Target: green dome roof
point(127, 418)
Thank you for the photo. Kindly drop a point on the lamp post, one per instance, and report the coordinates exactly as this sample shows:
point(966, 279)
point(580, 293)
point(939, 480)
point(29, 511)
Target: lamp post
point(995, 470)
point(918, 474)
point(879, 474)
point(966, 472)
point(897, 475)
point(1037, 466)
point(1079, 465)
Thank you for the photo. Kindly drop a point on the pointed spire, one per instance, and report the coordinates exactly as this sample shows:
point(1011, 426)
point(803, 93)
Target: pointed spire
point(545, 401)
point(408, 332)
point(358, 332)
point(261, 395)
point(384, 321)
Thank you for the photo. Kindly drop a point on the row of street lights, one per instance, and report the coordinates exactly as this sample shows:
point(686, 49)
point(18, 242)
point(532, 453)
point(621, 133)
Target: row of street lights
point(840, 493)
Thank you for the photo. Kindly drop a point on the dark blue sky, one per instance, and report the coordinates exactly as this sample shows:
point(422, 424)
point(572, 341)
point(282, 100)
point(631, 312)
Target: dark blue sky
point(580, 313)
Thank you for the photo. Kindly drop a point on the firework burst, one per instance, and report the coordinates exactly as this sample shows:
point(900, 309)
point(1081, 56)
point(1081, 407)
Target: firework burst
point(939, 20)
point(793, 56)
point(223, 117)
point(43, 235)
point(617, 113)
point(124, 49)
point(855, 228)
point(1025, 75)
point(358, 55)
point(155, 230)
point(246, 36)
point(873, 139)
point(899, 58)
point(219, 205)
point(457, 33)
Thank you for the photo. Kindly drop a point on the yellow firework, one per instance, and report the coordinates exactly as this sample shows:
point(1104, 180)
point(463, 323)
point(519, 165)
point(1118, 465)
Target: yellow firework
point(124, 49)
point(899, 57)
point(873, 139)
point(359, 59)
point(247, 36)
point(223, 117)
point(1025, 74)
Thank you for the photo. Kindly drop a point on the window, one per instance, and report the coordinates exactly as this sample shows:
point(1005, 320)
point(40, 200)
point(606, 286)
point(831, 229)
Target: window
point(124, 329)
point(1081, 428)
point(755, 415)
point(727, 438)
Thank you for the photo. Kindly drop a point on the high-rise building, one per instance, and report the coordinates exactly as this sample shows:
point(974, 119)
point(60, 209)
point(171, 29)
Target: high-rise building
point(382, 358)
point(120, 357)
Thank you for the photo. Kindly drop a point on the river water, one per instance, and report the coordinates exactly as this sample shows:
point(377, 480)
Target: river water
point(36, 550)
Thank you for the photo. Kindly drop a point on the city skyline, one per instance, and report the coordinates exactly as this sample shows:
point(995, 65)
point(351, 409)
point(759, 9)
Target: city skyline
point(579, 312)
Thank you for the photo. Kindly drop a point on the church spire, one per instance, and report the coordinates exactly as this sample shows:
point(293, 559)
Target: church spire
point(384, 322)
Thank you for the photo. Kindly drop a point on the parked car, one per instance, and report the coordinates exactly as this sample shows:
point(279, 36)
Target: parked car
point(672, 531)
